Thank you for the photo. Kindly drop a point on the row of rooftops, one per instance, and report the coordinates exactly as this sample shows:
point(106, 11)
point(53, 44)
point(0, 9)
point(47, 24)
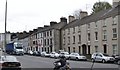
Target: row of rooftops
point(85, 19)
point(112, 12)
point(53, 25)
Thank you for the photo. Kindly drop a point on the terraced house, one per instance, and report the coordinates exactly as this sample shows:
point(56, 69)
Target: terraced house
point(47, 38)
point(99, 32)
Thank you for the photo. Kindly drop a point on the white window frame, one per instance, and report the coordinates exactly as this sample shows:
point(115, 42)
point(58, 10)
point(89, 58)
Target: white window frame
point(96, 25)
point(114, 48)
point(68, 30)
point(114, 33)
point(88, 36)
point(96, 36)
point(79, 29)
point(73, 30)
point(115, 21)
point(79, 38)
point(104, 23)
point(96, 48)
point(68, 40)
point(89, 26)
point(64, 40)
point(74, 39)
point(104, 34)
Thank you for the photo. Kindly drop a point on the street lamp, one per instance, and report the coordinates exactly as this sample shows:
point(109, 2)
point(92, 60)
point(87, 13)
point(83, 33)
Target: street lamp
point(5, 25)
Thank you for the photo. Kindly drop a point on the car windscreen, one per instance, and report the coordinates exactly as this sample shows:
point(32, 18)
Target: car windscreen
point(65, 53)
point(105, 54)
point(19, 48)
point(76, 54)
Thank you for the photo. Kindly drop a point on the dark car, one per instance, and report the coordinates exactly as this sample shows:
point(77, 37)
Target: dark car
point(10, 63)
point(117, 59)
point(36, 53)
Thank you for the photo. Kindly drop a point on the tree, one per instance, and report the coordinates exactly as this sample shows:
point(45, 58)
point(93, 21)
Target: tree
point(98, 6)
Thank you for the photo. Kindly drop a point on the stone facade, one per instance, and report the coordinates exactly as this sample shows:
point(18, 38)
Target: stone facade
point(95, 33)
point(48, 38)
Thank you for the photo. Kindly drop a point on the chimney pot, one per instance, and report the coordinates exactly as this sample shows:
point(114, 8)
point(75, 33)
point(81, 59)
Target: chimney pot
point(83, 14)
point(71, 18)
point(34, 29)
point(40, 28)
point(63, 19)
point(52, 23)
point(46, 25)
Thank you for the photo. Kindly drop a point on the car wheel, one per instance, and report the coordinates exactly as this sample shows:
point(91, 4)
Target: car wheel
point(103, 61)
point(77, 58)
point(69, 58)
point(118, 62)
point(55, 57)
point(93, 60)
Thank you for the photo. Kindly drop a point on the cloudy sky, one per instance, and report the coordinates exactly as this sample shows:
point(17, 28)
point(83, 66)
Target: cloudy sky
point(25, 15)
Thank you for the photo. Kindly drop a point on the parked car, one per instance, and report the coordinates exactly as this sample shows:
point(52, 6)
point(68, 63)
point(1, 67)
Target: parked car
point(76, 56)
point(36, 53)
point(117, 59)
point(44, 54)
point(30, 52)
point(54, 55)
point(66, 54)
point(102, 57)
point(9, 63)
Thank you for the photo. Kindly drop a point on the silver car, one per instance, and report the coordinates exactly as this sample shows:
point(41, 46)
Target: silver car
point(44, 54)
point(102, 57)
point(54, 55)
point(76, 56)
point(66, 54)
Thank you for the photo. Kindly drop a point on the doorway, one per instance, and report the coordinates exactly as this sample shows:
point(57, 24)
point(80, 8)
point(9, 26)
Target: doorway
point(84, 48)
point(105, 48)
point(79, 49)
point(88, 49)
point(68, 49)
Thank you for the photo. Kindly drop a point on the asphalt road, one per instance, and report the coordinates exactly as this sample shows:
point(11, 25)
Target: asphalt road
point(42, 62)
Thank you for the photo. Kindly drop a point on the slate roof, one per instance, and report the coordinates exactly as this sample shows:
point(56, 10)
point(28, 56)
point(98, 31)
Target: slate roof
point(112, 12)
point(22, 35)
point(55, 26)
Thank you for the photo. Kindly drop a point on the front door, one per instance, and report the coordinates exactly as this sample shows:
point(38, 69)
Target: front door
point(51, 48)
point(88, 49)
point(68, 49)
point(84, 52)
point(105, 48)
point(79, 49)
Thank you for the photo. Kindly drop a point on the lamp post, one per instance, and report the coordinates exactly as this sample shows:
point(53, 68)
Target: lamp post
point(5, 25)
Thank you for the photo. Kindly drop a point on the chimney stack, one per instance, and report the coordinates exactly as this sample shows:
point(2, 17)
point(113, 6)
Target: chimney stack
point(63, 19)
point(116, 3)
point(46, 25)
point(52, 23)
point(30, 32)
point(71, 18)
point(83, 14)
point(34, 30)
point(40, 28)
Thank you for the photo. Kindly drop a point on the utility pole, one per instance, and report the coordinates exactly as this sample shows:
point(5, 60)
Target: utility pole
point(5, 25)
